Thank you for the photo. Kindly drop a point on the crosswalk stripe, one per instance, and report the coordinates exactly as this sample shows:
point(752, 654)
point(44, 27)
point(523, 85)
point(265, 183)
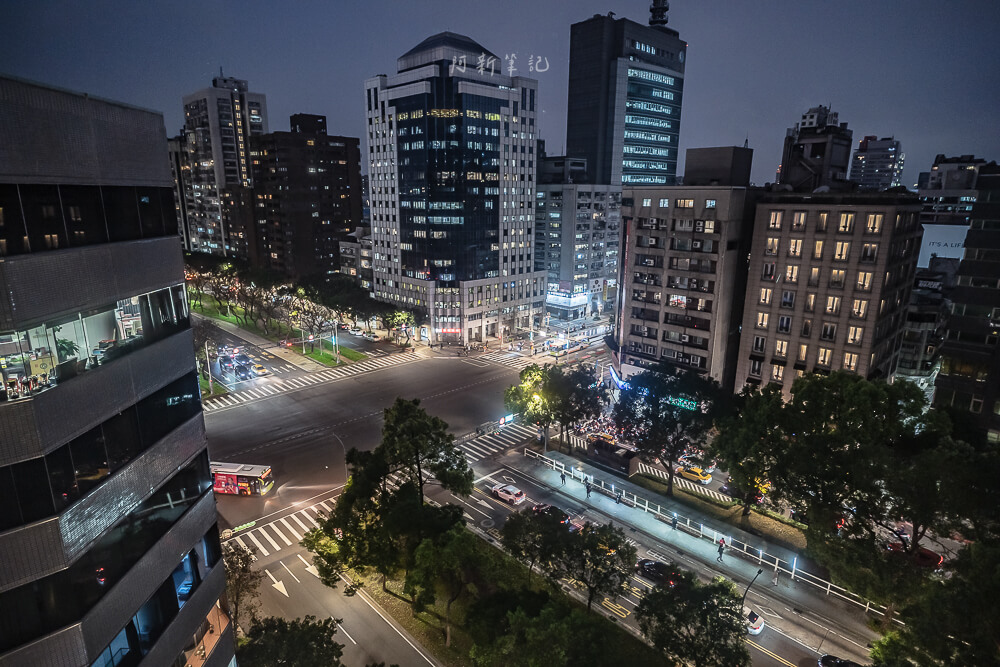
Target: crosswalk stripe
point(240, 542)
point(311, 520)
point(290, 529)
point(325, 506)
point(268, 537)
point(472, 447)
point(295, 382)
point(259, 545)
point(297, 520)
point(472, 459)
point(253, 392)
point(284, 539)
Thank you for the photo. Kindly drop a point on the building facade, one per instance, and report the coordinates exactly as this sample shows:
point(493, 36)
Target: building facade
point(969, 381)
point(947, 193)
point(626, 81)
point(451, 154)
point(306, 196)
point(877, 164)
point(108, 528)
point(828, 286)
point(218, 124)
point(684, 272)
point(816, 153)
point(924, 330)
point(577, 231)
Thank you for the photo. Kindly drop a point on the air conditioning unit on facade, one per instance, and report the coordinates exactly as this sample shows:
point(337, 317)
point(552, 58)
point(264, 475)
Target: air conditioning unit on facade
point(696, 245)
point(685, 338)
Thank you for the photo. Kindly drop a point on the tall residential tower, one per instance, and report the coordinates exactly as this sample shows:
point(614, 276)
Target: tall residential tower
point(451, 161)
point(218, 124)
point(877, 163)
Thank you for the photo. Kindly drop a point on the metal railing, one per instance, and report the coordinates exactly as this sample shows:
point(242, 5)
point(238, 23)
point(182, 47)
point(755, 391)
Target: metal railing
point(699, 530)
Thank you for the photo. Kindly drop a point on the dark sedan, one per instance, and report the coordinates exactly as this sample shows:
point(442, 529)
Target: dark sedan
point(660, 572)
point(834, 661)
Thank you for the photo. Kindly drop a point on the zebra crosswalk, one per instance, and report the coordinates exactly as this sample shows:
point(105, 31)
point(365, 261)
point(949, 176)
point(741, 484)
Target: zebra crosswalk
point(284, 385)
point(283, 368)
point(687, 485)
point(491, 444)
point(284, 532)
point(516, 360)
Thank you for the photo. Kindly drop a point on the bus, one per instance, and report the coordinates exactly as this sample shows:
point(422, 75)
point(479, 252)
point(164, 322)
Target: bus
point(241, 479)
point(569, 347)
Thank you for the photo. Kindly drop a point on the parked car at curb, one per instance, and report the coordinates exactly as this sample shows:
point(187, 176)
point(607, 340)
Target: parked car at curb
point(755, 622)
point(694, 474)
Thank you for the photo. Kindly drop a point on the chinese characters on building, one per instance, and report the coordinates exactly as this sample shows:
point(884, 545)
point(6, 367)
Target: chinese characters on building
point(487, 64)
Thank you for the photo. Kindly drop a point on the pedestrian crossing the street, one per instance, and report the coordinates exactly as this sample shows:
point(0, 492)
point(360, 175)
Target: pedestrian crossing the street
point(514, 360)
point(281, 386)
point(284, 532)
point(491, 444)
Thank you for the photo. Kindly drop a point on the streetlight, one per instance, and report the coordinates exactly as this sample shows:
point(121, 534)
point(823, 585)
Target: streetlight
point(743, 601)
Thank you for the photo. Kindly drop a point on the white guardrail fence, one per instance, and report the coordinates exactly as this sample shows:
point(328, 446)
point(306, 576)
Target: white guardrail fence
point(696, 529)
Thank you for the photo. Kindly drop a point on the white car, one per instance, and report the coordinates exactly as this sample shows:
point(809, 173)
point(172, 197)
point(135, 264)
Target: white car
point(508, 493)
point(371, 336)
point(755, 622)
point(356, 332)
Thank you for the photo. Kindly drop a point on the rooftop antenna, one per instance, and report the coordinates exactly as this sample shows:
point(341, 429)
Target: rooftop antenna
point(221, 75)
point(746, 142)
point(658, 13)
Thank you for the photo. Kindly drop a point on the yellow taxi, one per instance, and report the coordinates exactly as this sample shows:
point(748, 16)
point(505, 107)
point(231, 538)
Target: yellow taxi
point(694, 474)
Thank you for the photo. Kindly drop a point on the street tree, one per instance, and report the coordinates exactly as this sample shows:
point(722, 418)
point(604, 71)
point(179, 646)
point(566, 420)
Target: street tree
point(751, 440)
point(419, 446)
point(532, 538)
point(598, 556)
point(574, 395)
point(668, 410)
point(694, 623)
point(221, 283)
point(531, 398)
point(452, 563)
point(303, 642)
point(242, 581)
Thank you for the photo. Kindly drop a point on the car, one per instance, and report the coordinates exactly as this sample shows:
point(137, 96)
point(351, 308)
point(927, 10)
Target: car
point(223, 349)
point(563, 517)
point(755, 622)
point(694, 474)
point(242, 359)
point(599, 439)
point(923, 557)
point(355, 331)
point(731, 489)
point(833, 661)
point(242, 372)
point(658, 571)
point(226, 362)
point(508, 493)
point(343, 327)
point(371, 336)
point(707, 465)
point(258, 370)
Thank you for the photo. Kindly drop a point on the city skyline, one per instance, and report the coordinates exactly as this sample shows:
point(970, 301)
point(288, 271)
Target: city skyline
point(928, 94)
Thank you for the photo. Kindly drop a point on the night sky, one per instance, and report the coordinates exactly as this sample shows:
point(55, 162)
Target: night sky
point(926, 71)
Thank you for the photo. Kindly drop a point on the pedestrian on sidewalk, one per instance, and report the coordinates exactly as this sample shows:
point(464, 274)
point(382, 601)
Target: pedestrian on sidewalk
point(588, 488)
point(562, 477)
point(618, 497)
point(673, 522)
point(722, 547)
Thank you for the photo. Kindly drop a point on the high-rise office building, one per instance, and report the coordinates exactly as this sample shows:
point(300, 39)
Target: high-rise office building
point(576, 238)
point(969, 381)
point(451, 155)
point(684, 267)
point(108, 528)
point(218, 124)
point(828, 287)
point(816, 153)
point(877, 164)
point(626, 82)
point(306, 194)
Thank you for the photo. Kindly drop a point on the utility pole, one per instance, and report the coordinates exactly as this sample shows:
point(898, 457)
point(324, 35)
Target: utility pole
point(208, 362)
point(743, 601)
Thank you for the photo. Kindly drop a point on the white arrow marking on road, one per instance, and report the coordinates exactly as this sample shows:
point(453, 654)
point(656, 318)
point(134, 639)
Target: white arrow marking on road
point(509, 479)
point(279, 586)
point(289, 571)
point(310, 568)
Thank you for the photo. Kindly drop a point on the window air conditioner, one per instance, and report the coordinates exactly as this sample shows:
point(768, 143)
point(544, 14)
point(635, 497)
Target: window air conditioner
point(685, 338)
point(696, 245)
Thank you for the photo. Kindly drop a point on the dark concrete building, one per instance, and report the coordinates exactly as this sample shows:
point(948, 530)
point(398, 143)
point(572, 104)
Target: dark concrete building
point(684, 267)
point(947, 193)
point(108, 528)
point(969, 381)
point(626, 82)
point(829, 284)
point(817, 152)
point(306, 196)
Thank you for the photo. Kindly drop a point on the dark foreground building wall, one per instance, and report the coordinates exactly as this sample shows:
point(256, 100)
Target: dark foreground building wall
point(108, 532)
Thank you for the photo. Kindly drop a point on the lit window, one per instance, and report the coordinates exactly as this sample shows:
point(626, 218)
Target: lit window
point(762, 320)
point(825, 354)
point(775, 222)
point(795, 248)
point(765, 295)
point(792, 274)
point(860, 308)
point(777, 373)
point(842, 251)
point(664, 203)
point(803, 351)
point(864, 280)
point(709, 203)
point(837, 277)
point(647, 202)
point(685, 203)
point(854, 335)
point(833, 305)
point(846, 223)
point(780, 348)
point(772, 245)
point(850, 361)
point(799, 220)
point(874, 224)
